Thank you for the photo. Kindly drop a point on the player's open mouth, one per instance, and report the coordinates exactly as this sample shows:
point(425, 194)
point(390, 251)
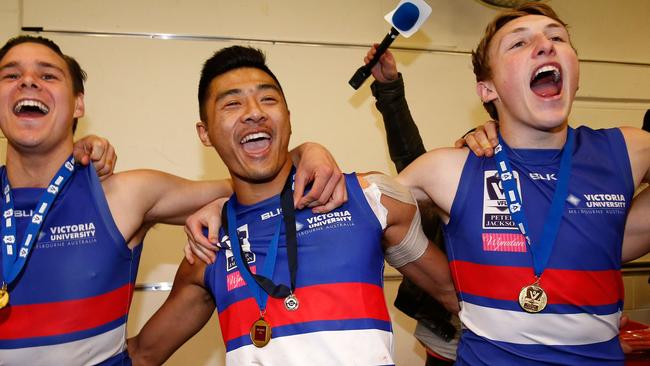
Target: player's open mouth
point(30, 108)
point(256, 142)
point(547, 81)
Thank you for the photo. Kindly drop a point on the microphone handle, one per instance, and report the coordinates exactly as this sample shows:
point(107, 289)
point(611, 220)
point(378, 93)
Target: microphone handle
point(364, 71)
point(383, 46)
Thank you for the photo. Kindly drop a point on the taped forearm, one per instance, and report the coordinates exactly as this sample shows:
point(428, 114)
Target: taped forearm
point(403, 136)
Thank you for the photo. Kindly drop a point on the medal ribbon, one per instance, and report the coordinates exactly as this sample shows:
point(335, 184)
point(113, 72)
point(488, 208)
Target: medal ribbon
point(540, 252)
point(14, 256)
point(259, 282)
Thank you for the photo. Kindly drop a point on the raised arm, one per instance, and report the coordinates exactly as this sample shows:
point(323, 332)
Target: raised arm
point(404, 141)
point(186, 310)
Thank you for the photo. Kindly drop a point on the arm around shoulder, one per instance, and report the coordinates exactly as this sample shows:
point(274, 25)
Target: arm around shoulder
point(159, 197)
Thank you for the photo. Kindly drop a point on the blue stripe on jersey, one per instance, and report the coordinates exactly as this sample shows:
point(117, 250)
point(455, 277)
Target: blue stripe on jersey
point(550, 308)
point(315, 326)
point(473, 350)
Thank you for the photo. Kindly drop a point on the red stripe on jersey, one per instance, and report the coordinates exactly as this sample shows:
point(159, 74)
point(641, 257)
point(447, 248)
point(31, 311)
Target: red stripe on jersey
point(337, 301)
point(562, 286)
point(63, 317)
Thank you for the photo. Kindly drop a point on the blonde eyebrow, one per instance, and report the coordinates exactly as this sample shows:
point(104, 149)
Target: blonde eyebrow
point(550, 25)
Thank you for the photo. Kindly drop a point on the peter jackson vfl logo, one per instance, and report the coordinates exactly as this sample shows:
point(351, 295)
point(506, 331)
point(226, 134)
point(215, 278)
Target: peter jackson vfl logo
point(234, 279)
point(495, 206)
point(242, 234)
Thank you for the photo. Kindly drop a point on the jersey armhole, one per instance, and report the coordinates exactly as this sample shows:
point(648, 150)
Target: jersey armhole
point(99, 198)
point(622, 159)
point(457, 210)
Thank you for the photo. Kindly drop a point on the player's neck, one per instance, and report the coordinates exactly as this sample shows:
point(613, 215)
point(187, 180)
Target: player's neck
point(520, 136)
point(25, 169)
point(250, 193)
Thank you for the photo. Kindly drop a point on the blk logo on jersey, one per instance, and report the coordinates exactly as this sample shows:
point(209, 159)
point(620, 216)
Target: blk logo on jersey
point(496, 214)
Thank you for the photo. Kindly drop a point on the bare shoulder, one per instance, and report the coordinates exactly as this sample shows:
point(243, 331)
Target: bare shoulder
point(436, 175)
point(132, 180)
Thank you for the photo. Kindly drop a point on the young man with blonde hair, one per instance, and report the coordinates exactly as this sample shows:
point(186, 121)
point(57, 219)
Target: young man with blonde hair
point(534, 234)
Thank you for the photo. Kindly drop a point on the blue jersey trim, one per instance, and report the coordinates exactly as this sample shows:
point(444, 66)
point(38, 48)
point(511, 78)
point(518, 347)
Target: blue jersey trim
point(550, 308)
point(105, 212)
point(473, 350)
point(312, 327)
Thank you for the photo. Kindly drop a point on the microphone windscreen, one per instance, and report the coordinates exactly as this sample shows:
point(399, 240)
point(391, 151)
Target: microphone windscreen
point(405, 16)
point(646, 121)
point(408, 16)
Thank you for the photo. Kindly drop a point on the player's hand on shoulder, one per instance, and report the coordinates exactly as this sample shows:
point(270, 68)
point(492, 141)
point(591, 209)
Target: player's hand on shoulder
point(317, 166)
point(198, 244)
point(98, 151)
point(481, 140)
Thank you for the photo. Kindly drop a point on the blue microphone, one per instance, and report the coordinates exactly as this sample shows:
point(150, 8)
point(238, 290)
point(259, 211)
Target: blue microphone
point(403, 20)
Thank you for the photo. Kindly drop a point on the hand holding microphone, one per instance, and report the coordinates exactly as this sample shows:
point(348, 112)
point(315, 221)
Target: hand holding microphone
point(406, 19)
point(386, 68)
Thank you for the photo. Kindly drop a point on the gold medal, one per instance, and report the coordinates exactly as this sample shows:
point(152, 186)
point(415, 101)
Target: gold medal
point(4, 296)
point(533, 298)
point(260, 333)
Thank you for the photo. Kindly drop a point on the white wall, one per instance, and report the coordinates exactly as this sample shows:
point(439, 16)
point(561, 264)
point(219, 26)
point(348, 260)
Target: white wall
point(141, 91)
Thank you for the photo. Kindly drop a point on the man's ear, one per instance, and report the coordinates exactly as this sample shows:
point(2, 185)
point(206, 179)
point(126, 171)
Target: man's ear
point(79, 106)
point(290, 126)
point(486, 91)
point(202, 131)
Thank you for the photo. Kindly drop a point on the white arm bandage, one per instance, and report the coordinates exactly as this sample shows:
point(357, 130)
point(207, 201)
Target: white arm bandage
point(414, 242)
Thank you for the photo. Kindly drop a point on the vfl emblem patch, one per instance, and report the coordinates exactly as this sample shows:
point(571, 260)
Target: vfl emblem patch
point(249, 256)
point(504, 243)
point(495, 206)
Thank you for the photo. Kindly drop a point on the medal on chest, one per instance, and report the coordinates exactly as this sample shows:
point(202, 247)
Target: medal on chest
point(15, 254)
point(532, 298)
point(261, 285)
point(4, 296)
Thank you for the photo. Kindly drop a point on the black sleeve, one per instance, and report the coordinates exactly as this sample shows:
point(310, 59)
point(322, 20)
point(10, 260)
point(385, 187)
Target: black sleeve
point(404, 141)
